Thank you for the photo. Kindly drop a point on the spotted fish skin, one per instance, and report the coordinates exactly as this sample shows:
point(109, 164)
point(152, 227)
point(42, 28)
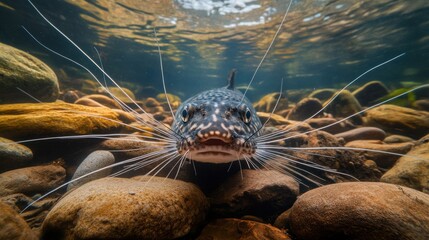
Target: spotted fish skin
point(217, 126)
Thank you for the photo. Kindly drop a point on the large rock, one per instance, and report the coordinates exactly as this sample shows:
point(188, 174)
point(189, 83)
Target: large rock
point(344, 105)
point(412, 170)
point(13, 227)
point(25, 121)
point(362, 133)
point(305, 108)
point(19, 69)
point(361, 210)
point(370, 92)
point(93, 162)
point(234, 229)
point(254, 192)
point(379, 151)
point(399, 120)
point(117, 208)
point(31, 180)
point(13, 155)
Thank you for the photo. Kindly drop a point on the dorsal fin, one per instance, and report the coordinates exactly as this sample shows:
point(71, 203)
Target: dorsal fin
point(231, 77)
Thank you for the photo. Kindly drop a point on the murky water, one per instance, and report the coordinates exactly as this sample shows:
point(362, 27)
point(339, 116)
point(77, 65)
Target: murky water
point(322, 43)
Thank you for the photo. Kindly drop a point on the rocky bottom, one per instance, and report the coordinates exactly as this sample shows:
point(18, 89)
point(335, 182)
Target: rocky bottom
point(383, 196)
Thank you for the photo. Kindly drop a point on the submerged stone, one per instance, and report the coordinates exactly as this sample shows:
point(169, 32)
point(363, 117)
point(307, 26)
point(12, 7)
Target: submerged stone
point(254, 192)
point(94, 161)
point(233, 229)
point(361, 210)
point(398, 120)
point(117, 208)
point(13, 227)
point(370, 92)
point(31, 120)
point(19, 69)
point(412, 170)
point(31, 180)
point(13, 155)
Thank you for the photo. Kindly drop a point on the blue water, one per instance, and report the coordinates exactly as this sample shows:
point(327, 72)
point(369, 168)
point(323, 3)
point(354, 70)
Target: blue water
point(322, 43)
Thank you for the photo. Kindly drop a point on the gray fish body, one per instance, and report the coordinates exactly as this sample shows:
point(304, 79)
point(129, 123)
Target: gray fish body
point(217, 126)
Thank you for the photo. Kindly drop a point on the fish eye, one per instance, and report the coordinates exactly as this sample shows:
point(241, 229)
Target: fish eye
point(185, 115)
point(247, 116)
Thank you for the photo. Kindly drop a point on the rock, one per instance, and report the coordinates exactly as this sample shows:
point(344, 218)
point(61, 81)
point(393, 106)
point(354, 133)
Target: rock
point(256, 192)
point(122, 94)
point(234, 229)
point(331, 125)
point(267, 102)
point(305, 108)
point(13, 227)
point(19, 69)
point(88, 102)
point(397, 139)
point(13, 155)
point(128, 147)
point(94, 161)
point(274, 118)
point(383, 160)
point(361, 210)
point(398, 120)
point(34, 214)
point(319, 147)
point(103, 100)
point(117, 208)
point(344, 105)
point(71, 96)
point(362, 133)
point(422, 105)
point(370, 92)
point(31, 180)
point(174, 100)
point(412, 170)
point(25, 121)
point(322, 94)
point(283, 220)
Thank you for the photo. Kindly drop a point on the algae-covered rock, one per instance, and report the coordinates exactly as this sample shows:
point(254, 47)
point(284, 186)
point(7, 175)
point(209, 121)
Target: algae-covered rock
point(19, 69)
point(28, 120)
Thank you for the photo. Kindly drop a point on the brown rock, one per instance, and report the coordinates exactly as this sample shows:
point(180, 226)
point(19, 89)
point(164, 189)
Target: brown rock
point(330, 125)
point(274, 118)
point(88, 102)
point(128, 147)
point(13, 227)
point(255, 192)
point(322, 94)
point(25, 121)
point(305, 108)
point(422, 105)
point(31, 180)
point(344, 105)
point(383, 160)
point(13, 155)
point(412, 170)
point(174, 100)
point(19, 69)
point(267, 102)
point(370, 92)
point(117, 208)
point(361, 210)
point(397, 139)
point(362, 133)
point(235, 229)
point(399, 120)
point(103, 100)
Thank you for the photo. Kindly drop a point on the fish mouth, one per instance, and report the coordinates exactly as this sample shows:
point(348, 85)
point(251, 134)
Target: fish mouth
point(216, 150)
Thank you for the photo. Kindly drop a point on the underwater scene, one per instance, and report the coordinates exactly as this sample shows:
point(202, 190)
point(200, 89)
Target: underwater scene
point(214, 119)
